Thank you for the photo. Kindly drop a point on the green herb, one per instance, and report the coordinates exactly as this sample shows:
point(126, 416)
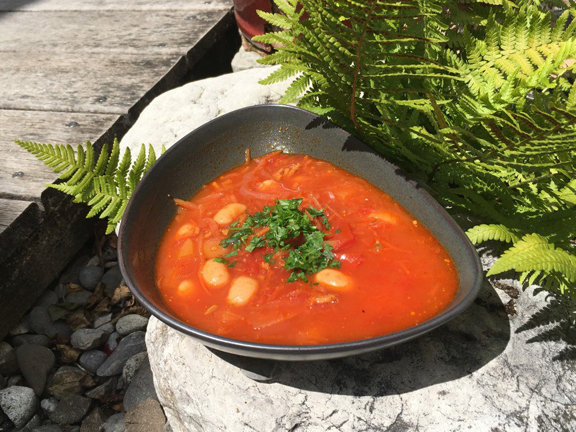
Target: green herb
point(286, 228)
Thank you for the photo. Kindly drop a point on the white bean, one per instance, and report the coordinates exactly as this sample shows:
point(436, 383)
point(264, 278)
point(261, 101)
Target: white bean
point(242, 290)
point(229, 213)
point(384, 217)
point(335, 279)
point(185, 286)
point(188, 230)
point(215, 274)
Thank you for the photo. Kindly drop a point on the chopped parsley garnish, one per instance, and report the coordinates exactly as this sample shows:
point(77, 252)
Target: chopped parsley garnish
point(284, 227)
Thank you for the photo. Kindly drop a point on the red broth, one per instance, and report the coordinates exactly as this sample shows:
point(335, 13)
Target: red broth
point(394, 273)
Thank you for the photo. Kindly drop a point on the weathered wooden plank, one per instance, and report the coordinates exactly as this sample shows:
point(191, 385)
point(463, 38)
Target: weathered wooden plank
point(51, 5)
point(30, 262)
point(99, 83)
point(165, 32)
point(10, 210)
point(21, 174)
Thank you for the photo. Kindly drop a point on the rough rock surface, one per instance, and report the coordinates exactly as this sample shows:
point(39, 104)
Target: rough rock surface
point(19, 404)
point(35, 362)
point(474, 373)
point(177, 112)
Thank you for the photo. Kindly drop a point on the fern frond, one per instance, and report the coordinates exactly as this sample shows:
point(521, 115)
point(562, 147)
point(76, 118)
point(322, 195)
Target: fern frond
point(482, 233)
point(105, 185)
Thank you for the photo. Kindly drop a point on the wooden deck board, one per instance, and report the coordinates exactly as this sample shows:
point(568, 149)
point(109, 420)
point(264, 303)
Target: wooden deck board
point(21, 174)
point(110, 32)
point(51, 5)
point(10, 210)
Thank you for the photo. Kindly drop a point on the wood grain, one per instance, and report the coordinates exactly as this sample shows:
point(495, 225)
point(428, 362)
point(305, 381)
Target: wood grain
point(110, 32)
point(147, 5)
point(10, 210)
point(21, 174)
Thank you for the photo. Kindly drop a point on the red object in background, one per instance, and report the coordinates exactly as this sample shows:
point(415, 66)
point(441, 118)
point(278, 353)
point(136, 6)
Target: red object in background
point(249, 23)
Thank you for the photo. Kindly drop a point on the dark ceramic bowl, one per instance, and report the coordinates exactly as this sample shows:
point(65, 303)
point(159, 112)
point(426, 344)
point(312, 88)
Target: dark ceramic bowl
point(217, 147)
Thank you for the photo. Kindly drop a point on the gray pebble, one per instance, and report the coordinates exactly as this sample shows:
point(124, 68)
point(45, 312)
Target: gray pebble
point(128, 347)
point(40, 321)
point(48, 298)
point(92, 360)
point(90, 276)
point(35, 361)
point(131, 323)
point(48, 428)
point(110, 254)
point(106, 388)
point(93, 421)
point(132, 366)
point(34, 423)
point(19, 404)
point(49, 405)
point(71, 409)
point(141, 387)
point(101, 320)
point(107, 328)
point(61, 290)
point(20, 328)
point(62, 329)
point(115, 423)
point(69, 380)
point(8, 362)
point(31, 339)
point(112, 342)
point(88, 339)
point(15, 380)
point(112, 279)
point(78, 297)
point(94, 261)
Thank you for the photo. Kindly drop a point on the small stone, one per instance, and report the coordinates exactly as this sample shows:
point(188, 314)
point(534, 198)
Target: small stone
point(101, 320)
point(69, 380)
point(132, 366)
point(35, 361)
point(19, 404)
point(32, 425)
point(8, 362)
point(107, 328)
point(62, 329)
point(131, 345)
point(48, 298)
point(90, 276)
point(104, 389)
point(147, 416)
point(141, 387)
point(49, 405)
point(115, 423)
point(48, 428)
point(31, 339)
point(93, 421)
point(40, 322)
point(20, 328)
point(92, 360)
point(112, 279)
point(71, 410)
point(15, 380)
point(88, 339)
point(112, 342)
point(131, 323)
point(61, 290)
point(78, 297)
point(94, 261)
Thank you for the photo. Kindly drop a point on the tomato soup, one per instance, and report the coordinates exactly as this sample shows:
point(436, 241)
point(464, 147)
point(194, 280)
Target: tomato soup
point(222, 269)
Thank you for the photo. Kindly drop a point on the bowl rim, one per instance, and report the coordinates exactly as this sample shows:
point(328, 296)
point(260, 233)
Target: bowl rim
point(298, 352)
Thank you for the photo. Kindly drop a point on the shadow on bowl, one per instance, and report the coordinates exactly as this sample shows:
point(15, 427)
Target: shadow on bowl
point(219, 146)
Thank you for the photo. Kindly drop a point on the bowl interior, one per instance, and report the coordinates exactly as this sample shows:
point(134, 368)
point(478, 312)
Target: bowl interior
point(219, 146)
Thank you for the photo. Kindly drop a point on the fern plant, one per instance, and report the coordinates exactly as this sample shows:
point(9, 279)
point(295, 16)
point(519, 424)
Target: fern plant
point(105, 182)
point(476, 99)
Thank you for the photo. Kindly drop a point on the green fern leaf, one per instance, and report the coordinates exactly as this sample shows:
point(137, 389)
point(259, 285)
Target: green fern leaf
point(482, 233)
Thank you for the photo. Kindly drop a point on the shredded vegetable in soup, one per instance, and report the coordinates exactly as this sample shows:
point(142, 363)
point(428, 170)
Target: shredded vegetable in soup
point(288, 249)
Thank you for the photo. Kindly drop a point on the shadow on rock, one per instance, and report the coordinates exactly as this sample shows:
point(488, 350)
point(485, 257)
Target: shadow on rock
point(455, 350)
point(555, 322)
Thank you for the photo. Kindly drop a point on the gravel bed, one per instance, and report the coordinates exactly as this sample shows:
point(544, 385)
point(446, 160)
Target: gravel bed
point(77, 361)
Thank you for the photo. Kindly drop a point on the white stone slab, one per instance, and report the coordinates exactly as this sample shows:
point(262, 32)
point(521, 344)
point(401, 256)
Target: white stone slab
point(475, 373)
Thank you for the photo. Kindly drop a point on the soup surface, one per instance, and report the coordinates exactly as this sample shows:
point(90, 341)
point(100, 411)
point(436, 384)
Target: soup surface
point(221, 269)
